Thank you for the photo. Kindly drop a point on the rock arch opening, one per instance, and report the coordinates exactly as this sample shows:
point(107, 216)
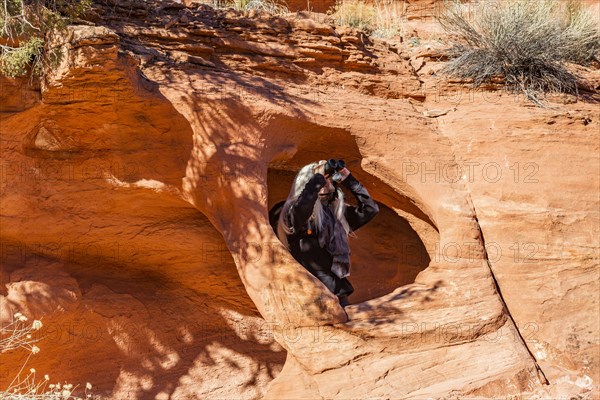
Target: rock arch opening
point(389, 251)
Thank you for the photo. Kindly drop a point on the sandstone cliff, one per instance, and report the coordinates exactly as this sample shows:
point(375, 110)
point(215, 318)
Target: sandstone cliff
point(137, 177)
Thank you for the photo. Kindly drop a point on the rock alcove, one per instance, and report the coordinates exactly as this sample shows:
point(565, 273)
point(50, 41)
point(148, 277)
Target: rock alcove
point(386, 253)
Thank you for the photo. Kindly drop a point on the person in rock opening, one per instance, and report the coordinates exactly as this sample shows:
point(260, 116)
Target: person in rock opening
point(314, 222)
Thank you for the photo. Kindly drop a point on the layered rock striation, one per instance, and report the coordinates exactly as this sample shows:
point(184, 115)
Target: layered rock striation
point(135, 190)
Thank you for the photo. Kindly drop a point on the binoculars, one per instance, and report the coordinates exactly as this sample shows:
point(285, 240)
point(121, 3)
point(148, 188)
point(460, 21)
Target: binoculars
point(334, 165)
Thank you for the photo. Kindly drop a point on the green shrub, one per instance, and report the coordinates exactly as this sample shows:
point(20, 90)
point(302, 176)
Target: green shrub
point(23, 26)
point(526, 42)
point(14, 61)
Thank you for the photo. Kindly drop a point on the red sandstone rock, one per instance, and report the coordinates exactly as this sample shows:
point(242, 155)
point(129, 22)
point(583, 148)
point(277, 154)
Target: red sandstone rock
point(135, 189)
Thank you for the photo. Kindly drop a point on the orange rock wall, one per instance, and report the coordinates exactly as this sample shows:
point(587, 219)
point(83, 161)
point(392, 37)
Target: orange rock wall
point(137, 178)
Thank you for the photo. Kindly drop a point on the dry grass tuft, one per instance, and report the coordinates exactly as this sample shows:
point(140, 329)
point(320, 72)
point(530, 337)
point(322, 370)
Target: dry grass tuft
point(382, 18)
point(20, 335)
point(528, 43)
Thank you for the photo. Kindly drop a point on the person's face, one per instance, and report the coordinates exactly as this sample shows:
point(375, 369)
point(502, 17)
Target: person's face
point(326, 191)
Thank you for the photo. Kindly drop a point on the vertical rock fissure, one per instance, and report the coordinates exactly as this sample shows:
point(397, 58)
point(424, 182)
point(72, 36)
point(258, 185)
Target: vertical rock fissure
point(540, 372)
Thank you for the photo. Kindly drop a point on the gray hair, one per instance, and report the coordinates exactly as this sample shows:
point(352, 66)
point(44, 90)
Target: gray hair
point(316, 218)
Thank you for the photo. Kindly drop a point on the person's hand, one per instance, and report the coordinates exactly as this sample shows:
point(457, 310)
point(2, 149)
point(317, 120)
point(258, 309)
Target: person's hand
point(344, 172)
point(320, 169)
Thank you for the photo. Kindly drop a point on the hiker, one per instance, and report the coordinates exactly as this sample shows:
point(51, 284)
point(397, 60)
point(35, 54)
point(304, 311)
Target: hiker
point(314, 222)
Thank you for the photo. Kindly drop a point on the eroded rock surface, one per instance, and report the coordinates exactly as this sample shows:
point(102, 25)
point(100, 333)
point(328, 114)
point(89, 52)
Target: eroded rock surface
point(135, 192)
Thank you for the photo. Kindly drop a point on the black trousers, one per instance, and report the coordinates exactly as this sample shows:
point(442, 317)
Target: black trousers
point(339, 287)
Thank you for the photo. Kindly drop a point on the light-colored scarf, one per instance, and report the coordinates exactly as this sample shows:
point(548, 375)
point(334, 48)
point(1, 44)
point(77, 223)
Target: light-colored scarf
point(334, 239)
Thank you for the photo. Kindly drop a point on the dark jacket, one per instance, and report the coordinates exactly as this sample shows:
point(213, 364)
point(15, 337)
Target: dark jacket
point(305, 247)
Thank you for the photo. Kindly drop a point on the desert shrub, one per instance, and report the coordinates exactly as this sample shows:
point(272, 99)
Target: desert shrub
point(382, 18)
point(270, 6)
point(354, 13)
point(19, 334)
point(528, 43)
point(388, 18)
point(23, 26)
point(273, 7)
